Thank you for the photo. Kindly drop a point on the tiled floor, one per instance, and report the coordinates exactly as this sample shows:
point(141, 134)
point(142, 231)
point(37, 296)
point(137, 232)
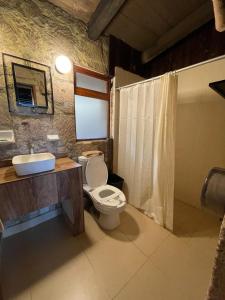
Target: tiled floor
point(139, 260)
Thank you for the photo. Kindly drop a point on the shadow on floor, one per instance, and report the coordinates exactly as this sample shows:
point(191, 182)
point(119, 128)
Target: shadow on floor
point(34, 254)
point(131, 229)
point(191, 221)
point(31, 255)
point(128, 227)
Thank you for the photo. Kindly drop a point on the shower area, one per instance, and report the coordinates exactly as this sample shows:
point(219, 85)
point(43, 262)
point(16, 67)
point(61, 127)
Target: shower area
point(168, 134)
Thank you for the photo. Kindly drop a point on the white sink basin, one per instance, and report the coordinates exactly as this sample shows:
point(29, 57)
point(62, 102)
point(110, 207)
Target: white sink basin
point(33, 163)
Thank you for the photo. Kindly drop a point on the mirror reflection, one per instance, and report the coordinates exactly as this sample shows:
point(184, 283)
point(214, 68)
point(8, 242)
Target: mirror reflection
point(30, 86)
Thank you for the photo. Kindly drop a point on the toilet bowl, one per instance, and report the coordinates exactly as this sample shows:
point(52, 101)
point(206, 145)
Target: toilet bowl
point(107, 199)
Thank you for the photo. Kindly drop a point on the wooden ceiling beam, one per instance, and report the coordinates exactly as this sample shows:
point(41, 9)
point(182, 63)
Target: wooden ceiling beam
point(199, 17)
point(102, 16)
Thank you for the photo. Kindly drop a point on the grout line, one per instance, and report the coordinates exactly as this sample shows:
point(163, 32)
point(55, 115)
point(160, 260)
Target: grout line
point(133, 243)
point(159, 246)
point(128, 240)
point(97, 277)
point(163, 240)
point(129, 279)
point(148, 258)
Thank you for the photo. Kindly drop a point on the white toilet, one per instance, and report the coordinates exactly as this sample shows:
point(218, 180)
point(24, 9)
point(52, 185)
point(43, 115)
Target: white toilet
point(107, 199)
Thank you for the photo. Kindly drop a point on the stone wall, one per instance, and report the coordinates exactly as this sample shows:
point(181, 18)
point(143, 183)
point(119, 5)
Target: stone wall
point(39, 31)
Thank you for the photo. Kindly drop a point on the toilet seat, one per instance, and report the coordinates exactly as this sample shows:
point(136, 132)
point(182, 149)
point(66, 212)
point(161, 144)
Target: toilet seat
point(108, 196)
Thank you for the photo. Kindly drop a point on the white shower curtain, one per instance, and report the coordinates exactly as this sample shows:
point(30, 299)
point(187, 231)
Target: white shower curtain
point(147, 145)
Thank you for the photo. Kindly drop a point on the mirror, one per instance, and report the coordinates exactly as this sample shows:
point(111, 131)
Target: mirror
point(28, 86)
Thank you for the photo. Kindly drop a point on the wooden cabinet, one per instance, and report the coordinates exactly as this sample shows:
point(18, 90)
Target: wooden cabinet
point(21, 195)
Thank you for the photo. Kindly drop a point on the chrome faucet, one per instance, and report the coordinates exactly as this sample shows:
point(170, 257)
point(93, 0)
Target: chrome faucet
point(29, 143)
point(31, 148)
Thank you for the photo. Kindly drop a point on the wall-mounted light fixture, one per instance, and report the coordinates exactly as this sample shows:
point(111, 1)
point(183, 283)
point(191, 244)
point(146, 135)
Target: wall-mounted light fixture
point(62, 64)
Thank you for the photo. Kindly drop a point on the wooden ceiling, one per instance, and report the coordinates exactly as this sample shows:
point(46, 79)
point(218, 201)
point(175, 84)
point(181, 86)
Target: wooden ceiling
point(150, 26)
point(81, 9)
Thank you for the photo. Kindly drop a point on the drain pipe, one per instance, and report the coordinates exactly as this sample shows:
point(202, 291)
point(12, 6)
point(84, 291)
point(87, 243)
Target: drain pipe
point(219, 12)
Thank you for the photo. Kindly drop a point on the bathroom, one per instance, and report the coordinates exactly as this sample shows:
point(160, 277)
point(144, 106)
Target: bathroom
point(55, 248)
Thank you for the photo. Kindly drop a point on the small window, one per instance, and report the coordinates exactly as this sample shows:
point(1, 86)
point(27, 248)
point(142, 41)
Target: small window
point(25, 95)
point(91, 104)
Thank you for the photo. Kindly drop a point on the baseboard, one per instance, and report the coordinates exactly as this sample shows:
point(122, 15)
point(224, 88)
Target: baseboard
point(31, 223)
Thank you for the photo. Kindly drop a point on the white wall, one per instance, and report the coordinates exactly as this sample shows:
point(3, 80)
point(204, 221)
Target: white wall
point(200, 130)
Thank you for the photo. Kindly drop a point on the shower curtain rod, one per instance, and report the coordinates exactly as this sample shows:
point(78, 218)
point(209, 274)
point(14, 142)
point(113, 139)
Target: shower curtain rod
point(175, 71)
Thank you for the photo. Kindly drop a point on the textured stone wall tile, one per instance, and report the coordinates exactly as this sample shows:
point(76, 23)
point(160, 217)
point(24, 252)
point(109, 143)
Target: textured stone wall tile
point(39, 31)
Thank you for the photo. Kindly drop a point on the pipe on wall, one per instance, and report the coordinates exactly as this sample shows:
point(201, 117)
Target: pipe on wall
point(219, 12)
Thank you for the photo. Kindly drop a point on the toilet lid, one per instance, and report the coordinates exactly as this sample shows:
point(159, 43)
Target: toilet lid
point(96, 172)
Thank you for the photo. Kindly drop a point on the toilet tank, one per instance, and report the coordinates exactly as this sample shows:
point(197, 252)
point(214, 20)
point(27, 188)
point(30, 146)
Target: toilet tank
point(83, 160)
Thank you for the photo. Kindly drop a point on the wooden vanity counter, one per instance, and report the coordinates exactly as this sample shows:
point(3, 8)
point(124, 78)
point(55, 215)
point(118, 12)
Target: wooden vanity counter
point(20, 195)
point(8, 174)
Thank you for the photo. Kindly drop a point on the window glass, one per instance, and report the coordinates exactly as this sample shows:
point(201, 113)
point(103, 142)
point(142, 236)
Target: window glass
point(91, 83)
point(91, 118)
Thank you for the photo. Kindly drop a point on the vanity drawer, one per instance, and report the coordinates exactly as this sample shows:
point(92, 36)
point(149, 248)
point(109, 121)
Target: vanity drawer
point(27, 195)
